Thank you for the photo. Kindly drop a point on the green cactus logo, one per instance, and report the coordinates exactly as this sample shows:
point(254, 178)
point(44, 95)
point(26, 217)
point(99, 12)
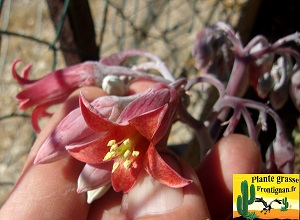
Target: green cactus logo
point(243, 201)
point(285, 203)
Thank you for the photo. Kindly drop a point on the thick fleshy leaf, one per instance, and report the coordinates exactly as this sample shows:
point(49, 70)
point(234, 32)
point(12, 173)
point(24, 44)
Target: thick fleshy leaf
point(95, 151)
point(123, 179)
point(147, 124)
point(155, 97)
point(161, 171)
point(94, 176)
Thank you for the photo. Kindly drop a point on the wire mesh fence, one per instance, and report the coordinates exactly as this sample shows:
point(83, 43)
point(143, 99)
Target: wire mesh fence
point(54, 34)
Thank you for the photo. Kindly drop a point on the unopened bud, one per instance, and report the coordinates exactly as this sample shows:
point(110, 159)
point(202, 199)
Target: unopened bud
point(113, 85)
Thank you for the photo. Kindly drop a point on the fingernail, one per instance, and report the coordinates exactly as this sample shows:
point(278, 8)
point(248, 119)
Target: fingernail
point(148, 196)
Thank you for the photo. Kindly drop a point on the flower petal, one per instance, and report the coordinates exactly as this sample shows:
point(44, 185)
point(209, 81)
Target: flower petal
point(72, 129)
point(37, 113)
point(95, 151)
point(161, 171)
point(93, 117)
point(55, 87)
point(94, 176)
point(147, 124)
point(123, 179)
point(92, 195)
point(155, 97)
point(22, 80)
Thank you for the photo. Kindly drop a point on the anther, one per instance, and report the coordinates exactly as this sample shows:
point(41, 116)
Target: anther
point(111, 143)
point(127, 164)
point(115, 166)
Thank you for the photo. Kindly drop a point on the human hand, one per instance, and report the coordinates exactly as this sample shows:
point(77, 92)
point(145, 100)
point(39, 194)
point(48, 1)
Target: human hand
point(48, 191)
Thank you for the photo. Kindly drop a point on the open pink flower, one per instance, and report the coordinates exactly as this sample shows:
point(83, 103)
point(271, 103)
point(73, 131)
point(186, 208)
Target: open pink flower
point(73, 128)
point(128, 146)
point(55, 87)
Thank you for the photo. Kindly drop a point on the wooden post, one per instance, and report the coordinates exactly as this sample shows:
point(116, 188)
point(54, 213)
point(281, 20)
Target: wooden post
point(77, 34)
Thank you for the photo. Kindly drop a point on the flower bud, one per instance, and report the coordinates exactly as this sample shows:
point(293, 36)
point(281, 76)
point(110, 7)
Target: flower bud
point(113, 85)
point(295, 88)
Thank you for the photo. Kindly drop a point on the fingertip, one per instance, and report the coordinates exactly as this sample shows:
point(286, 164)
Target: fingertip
point(138, 86)
point(238, 154)
point(50, 188)
point(193, 205)
point(233, 154)
point(187, 202)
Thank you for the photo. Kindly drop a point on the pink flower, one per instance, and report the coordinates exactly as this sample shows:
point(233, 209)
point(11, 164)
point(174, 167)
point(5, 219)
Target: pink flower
point(129, 144)
point(73, 129)
point(55, 87)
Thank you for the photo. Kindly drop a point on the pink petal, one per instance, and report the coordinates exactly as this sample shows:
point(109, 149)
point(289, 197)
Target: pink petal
point(72, 129)
point(165, 124)
point(147, 124)
point(58, 85)
point(25, 72)
point(155, 97)
point(94, 176)
point(95, 151)
point(37, 113)
point(93, 117)
point(161, 171)
point(123, 179)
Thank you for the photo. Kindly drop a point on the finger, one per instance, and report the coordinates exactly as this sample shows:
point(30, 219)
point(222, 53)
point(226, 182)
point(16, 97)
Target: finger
point(232, 155)
point(48, 191)
point(193, 206)
point(149, 199)
point(138, 86)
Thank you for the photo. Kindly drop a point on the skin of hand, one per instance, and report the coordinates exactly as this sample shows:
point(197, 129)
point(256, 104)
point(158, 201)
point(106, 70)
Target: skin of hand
point(48, 191)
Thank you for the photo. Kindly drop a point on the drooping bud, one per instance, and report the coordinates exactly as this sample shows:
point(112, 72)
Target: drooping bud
point(295, 88)
point(281, 73)
point(113, 85)
point(261, 65)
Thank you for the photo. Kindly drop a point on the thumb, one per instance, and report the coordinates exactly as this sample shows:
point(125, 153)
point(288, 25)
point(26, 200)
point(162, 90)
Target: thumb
point(149, 199)
point(231, 155)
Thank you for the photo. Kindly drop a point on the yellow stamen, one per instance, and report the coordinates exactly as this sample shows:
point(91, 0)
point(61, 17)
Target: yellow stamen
point(109, 156)
point(111, 143)
point(127, 164)
point(135, 153)
point(123, 151)
point(115, 166)
point(127, 154)
point(126, 142)
point(114, 148)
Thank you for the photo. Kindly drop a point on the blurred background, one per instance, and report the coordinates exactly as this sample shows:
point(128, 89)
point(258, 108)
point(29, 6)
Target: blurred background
point(53, 34)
